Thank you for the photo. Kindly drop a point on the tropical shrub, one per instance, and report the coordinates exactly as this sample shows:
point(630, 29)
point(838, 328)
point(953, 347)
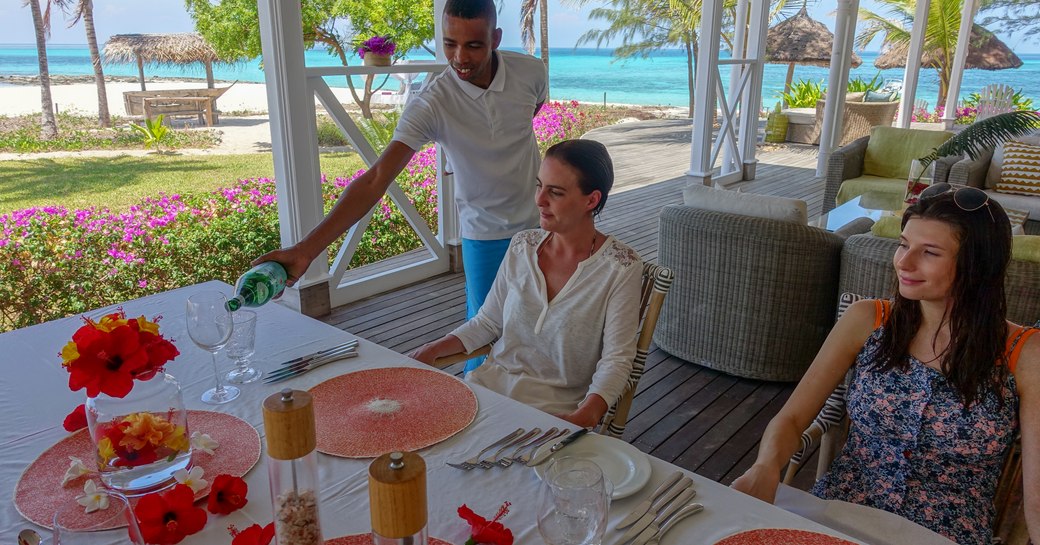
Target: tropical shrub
point(153, 131)
point(804, 94)
point(860, 85)
point(76, 132)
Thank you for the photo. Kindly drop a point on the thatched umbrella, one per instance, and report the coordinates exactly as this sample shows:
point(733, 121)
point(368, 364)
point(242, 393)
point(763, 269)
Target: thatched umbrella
point(162, 49)
point(985, 51)
point(800, 40)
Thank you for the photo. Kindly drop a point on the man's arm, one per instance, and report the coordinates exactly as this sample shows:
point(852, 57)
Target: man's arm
point(357, 199)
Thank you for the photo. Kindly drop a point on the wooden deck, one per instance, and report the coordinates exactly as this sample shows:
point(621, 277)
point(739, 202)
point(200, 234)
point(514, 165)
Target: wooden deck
point(697, 418)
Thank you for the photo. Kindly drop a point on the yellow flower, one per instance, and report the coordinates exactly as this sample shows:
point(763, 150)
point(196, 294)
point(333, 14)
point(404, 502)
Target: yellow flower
point(69, 353)
point(144, 325)
point(110, 322)
point(106, 451)
point(178, 440)
point(143, 429)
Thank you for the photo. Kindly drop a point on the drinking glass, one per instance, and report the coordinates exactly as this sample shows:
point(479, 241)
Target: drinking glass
point(210, 326)
point(241, 347)
point(74, 526)
point(573, 504)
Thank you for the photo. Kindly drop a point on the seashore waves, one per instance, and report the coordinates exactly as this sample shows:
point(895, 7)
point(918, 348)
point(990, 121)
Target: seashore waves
point(584, 74)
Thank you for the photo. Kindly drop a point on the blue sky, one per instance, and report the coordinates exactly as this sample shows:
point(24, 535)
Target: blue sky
point(125, 16)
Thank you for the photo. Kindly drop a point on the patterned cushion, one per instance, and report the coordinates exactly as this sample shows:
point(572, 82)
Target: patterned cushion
point(1020, 169)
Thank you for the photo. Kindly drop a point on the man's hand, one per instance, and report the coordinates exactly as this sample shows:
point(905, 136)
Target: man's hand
point(293, 259)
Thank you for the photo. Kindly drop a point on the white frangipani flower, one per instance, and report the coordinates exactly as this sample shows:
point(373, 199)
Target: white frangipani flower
point(192, 479)
point(76, 470)
point(93, 499)
point(203, 442)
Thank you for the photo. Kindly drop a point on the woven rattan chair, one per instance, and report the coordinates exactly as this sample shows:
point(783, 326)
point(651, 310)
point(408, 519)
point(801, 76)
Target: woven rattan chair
point(753, 297)
point(974, 172)
point(857, 119)
point(657, 280)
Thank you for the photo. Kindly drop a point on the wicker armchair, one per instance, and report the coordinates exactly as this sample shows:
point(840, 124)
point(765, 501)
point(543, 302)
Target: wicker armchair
point(752, 297)
point(857, 119)
point(976, 173)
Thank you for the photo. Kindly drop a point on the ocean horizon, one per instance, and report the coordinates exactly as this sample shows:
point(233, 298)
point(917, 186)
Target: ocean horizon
point(583, 74)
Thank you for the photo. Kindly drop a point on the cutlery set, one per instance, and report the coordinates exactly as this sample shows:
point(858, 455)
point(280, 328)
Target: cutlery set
point(298, 366)
point(517, 443)
point(655, 516)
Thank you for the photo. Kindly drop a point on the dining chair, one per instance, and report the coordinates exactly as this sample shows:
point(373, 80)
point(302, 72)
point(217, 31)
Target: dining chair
point(657, 280)
point(830, 429)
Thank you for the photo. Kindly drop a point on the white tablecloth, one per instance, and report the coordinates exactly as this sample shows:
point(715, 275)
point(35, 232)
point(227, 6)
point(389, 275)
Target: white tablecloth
point(34, 399)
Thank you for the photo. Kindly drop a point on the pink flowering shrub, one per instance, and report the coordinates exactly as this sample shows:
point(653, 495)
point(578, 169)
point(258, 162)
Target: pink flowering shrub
point(559, 121)
point(965, 115)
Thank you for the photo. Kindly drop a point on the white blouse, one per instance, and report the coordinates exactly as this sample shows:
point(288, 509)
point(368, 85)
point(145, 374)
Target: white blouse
point(552, 355)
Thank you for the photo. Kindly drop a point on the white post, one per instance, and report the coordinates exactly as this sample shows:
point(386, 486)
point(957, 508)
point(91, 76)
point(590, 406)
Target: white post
point(704, 83)
point(959, 58)
point(841, 62)
point(447, 211)
point(294, 145)
point(752, 99)
point(736, 71)
point(913, 64)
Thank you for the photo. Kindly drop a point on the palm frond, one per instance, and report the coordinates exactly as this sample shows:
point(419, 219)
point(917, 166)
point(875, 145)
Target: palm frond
point(986, 134)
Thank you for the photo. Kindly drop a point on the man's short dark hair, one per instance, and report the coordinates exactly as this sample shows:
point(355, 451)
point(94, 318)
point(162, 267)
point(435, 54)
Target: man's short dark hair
point(472, 9)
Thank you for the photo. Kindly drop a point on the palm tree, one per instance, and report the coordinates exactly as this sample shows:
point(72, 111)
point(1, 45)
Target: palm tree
point(944, 22)
point(41, 23)
point(84, 9)
point(527, 11)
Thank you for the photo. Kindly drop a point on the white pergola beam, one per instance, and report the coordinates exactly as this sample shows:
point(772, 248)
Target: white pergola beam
point(705, 98)
point(752, 98)
point(913, 63)
point(960, 56)
point(841, 63)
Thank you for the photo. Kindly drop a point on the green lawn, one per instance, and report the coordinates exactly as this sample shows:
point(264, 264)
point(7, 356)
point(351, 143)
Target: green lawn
point(118, 182)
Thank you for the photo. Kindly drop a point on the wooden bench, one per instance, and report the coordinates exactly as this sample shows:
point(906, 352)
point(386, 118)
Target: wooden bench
point(172, 102)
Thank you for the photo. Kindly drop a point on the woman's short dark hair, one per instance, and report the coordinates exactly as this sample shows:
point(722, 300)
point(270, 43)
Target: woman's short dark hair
point(472, 9)
point(975, 361)
point(592, 163)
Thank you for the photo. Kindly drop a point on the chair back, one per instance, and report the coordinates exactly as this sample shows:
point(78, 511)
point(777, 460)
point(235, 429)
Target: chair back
point(995, 98)
point(657, 280)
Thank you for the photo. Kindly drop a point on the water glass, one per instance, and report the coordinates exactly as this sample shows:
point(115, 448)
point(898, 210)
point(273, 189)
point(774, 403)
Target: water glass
point(210, 326)
point(74, 526)
point(574, 502)
point(241, 347)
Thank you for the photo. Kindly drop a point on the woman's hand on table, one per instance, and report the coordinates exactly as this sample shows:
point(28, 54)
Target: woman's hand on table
point(447, 345)
point(588, 414)
point(758, 481)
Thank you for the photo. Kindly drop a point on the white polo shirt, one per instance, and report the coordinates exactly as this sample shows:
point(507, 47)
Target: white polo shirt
point(489, 141)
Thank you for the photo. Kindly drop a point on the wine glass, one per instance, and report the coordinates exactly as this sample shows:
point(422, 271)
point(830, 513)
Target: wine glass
point(573, 503)
point(73, 525)
point(241, 347)
point(210, 326)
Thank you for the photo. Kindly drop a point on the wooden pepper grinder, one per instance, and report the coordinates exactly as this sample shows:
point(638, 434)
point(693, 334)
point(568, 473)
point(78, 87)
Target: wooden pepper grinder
point(397, 499)
point(292, 465)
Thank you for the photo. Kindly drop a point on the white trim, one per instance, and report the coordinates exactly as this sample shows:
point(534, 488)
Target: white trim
point(705, 84)
point(841, 62)
point(913, 64)
point(960, 56)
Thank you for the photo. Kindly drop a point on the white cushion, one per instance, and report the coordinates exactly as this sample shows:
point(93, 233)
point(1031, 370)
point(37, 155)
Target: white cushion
point(997, 162)
point(801, 116)
point(746, 204)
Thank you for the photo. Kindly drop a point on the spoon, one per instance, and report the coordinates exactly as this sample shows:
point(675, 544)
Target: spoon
point(29, 536)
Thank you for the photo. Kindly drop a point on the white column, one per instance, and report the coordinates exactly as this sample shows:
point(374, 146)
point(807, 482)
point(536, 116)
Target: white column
point(959, 58)
point(447, 212)
point(752, 99)
point(841, 62)
point(293, 142)
point(913, 63)
point(704, 84)
point(735, 75)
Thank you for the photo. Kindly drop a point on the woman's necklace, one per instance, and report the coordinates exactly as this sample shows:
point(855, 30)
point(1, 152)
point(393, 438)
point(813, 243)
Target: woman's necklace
point(592, 249)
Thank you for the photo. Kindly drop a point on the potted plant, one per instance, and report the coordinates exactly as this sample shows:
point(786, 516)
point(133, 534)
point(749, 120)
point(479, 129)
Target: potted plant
point(376, 51)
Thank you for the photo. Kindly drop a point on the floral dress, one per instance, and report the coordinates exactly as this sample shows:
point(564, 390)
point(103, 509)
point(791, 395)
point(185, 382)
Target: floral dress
point(915, 450)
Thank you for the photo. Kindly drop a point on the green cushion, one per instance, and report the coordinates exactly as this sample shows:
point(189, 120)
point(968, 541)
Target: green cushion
point(890, 149)
point(853, 187)
point(1026, 248)
point(888, 227)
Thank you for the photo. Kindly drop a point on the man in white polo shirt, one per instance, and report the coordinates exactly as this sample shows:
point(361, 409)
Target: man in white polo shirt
point(479, 112)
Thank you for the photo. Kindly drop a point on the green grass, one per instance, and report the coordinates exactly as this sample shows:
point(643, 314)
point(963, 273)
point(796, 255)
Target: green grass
point(118, 182)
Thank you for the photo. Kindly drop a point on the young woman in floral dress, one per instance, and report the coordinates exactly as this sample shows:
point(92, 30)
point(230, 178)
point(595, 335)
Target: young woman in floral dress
point(943, 382)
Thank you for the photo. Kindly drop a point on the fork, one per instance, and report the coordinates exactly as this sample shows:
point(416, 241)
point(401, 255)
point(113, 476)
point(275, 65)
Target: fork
point(508, 460)
point(493, 460)
point(527, 457)
point(472, 462)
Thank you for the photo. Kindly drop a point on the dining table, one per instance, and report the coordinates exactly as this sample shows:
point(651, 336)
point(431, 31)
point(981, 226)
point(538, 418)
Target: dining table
point(35, 398)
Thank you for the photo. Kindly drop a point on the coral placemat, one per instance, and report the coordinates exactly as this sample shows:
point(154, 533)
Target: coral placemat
point(786, 536)
point(366, 539)
point(39, 492)
point(368, 413)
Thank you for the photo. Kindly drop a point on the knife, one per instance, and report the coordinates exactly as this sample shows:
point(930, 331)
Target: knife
point(543, 457)
point(651, 515)
point(653, 534)
point(643, 507)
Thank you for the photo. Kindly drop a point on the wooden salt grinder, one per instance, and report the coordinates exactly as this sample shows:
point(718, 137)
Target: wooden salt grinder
point(397, 497)
point(289, 424)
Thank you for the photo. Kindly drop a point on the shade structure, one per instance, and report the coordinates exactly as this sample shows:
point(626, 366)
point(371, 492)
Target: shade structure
point(800, 39)
point(985, 52)
point(162, 49)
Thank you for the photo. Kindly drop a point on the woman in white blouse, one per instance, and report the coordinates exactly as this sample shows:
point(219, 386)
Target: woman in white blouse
point(563, 310)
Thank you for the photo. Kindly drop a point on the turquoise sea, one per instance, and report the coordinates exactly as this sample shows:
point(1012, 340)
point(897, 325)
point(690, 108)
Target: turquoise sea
point(584, 74)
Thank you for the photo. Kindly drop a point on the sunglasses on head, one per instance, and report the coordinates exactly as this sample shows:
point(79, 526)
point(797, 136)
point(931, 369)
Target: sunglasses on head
point(966, 198)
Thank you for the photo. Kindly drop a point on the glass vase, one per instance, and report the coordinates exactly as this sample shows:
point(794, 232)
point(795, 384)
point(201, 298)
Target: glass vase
point(917, 180)
point(140, 439)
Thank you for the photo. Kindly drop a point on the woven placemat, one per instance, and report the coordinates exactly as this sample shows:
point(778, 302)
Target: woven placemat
point(39, 492)
point(787, 536)
point(368, 413)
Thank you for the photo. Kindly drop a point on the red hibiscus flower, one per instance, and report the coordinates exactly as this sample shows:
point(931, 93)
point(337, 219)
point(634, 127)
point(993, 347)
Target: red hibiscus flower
point(227, 495)
point(107, 361)
point(254, 535)
point(77, 419)
point(487, 531)
point(166, 518)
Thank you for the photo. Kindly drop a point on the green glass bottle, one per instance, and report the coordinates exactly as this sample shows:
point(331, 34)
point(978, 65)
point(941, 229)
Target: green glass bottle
point(258, 285)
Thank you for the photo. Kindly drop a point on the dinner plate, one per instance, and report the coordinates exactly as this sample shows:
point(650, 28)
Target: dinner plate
point(627, 467)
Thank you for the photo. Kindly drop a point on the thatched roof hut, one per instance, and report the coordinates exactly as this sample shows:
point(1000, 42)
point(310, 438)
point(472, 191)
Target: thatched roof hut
point(801, 40)
point(985, 51)
point(162, 49)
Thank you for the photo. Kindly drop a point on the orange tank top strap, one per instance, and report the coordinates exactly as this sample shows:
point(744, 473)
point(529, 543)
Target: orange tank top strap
point(882, 309)
point(1015, 343)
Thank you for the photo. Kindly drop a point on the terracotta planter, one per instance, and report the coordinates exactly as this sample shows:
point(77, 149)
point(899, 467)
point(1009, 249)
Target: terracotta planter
point(375, 59)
